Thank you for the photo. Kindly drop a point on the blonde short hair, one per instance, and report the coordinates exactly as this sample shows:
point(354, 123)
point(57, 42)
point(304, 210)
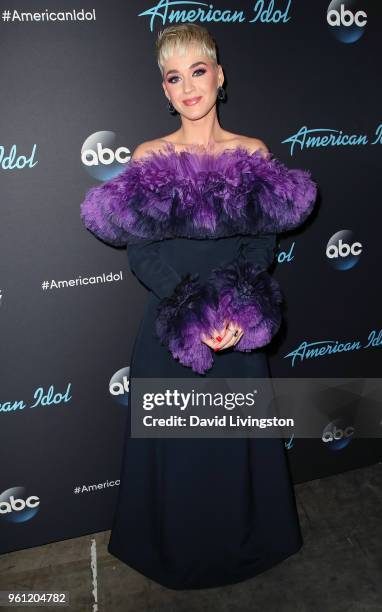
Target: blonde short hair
point(179, 37)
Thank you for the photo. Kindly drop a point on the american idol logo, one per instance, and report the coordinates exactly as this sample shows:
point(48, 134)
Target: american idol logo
point(337, 434)
point(16, 506)
point(191, 10)
point(328, 137)
point(42, 399)
point(119, 386)
point(347, 19)
point(15, 161)
point(283, 256)
point(343, 251)
point(102, 157)
point(321, 348)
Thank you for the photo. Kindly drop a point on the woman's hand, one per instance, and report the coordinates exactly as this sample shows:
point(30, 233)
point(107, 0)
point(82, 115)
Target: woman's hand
point(214, 340)
point(228, 336)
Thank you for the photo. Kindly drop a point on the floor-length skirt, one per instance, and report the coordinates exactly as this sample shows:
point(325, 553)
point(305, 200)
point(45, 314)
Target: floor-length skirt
point(202, 512)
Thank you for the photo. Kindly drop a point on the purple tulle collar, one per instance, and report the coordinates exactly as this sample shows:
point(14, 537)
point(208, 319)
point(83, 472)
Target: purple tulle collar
point(198, 194)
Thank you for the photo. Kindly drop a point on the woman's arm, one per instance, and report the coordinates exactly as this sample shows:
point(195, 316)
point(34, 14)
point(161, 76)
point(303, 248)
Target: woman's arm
point(144, 256)
point(155, 274)
point(259, 249)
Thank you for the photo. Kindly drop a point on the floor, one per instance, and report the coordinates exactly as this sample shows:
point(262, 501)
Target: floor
point(339, 568)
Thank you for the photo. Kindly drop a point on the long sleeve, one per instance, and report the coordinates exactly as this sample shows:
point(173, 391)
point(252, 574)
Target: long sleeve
point(259, 249)
point(185, 309)
point(150, 269)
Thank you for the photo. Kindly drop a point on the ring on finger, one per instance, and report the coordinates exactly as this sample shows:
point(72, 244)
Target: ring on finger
point(234, 331)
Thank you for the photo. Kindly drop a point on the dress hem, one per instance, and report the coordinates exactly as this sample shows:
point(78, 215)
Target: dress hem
point(244, 575)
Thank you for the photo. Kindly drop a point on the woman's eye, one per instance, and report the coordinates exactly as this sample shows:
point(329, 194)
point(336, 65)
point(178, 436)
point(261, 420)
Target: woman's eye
point(200, 70)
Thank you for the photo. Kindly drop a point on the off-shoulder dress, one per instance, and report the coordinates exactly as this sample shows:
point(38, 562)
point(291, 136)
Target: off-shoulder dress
point(201, 231)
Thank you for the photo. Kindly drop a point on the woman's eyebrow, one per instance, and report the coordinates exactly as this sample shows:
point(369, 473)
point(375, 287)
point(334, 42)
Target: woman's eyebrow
point(192, 66)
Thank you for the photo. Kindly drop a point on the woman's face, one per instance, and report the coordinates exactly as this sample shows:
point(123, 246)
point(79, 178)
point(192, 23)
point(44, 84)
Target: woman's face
point(190, 76)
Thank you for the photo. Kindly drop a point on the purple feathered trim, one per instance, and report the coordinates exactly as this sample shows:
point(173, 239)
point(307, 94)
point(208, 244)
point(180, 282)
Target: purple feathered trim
point(181, 320)
point(285, 197)
point(108, 210)
point(198, 195)
point(250, 297)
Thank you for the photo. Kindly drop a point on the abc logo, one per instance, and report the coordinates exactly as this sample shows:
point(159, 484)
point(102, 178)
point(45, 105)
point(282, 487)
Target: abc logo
point(336, 433)
point(104, 155)
point(346, 18)
point(19, 504)
point(346, 23)
point(119, 386)
point(343, 249)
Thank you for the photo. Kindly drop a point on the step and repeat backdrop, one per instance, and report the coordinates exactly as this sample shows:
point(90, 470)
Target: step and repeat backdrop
point(80, 89)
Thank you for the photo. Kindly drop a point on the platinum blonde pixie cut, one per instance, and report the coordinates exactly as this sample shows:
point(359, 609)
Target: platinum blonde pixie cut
point(179, 37)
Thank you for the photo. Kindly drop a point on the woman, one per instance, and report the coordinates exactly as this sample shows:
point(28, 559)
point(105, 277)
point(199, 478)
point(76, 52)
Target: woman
point(199, 211)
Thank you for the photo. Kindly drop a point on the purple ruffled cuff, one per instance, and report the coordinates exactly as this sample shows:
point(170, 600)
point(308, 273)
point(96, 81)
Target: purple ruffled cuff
point(250, 297)
point(182, 318)
point(241, 292)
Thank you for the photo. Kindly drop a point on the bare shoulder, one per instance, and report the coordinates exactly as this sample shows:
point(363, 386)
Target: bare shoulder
point(146, 147)
point(254, 144)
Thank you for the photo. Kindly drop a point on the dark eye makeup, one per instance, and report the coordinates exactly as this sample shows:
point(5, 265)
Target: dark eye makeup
point(201, 70)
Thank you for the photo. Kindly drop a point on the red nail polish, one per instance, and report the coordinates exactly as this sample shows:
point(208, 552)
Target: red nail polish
point(219, 339)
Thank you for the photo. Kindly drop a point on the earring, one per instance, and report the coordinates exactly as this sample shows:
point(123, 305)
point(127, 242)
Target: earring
point(221, 93)
point(171, 107)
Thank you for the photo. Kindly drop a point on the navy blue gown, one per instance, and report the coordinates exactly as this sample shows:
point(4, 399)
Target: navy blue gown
point(195, 513)
point(200, 512)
